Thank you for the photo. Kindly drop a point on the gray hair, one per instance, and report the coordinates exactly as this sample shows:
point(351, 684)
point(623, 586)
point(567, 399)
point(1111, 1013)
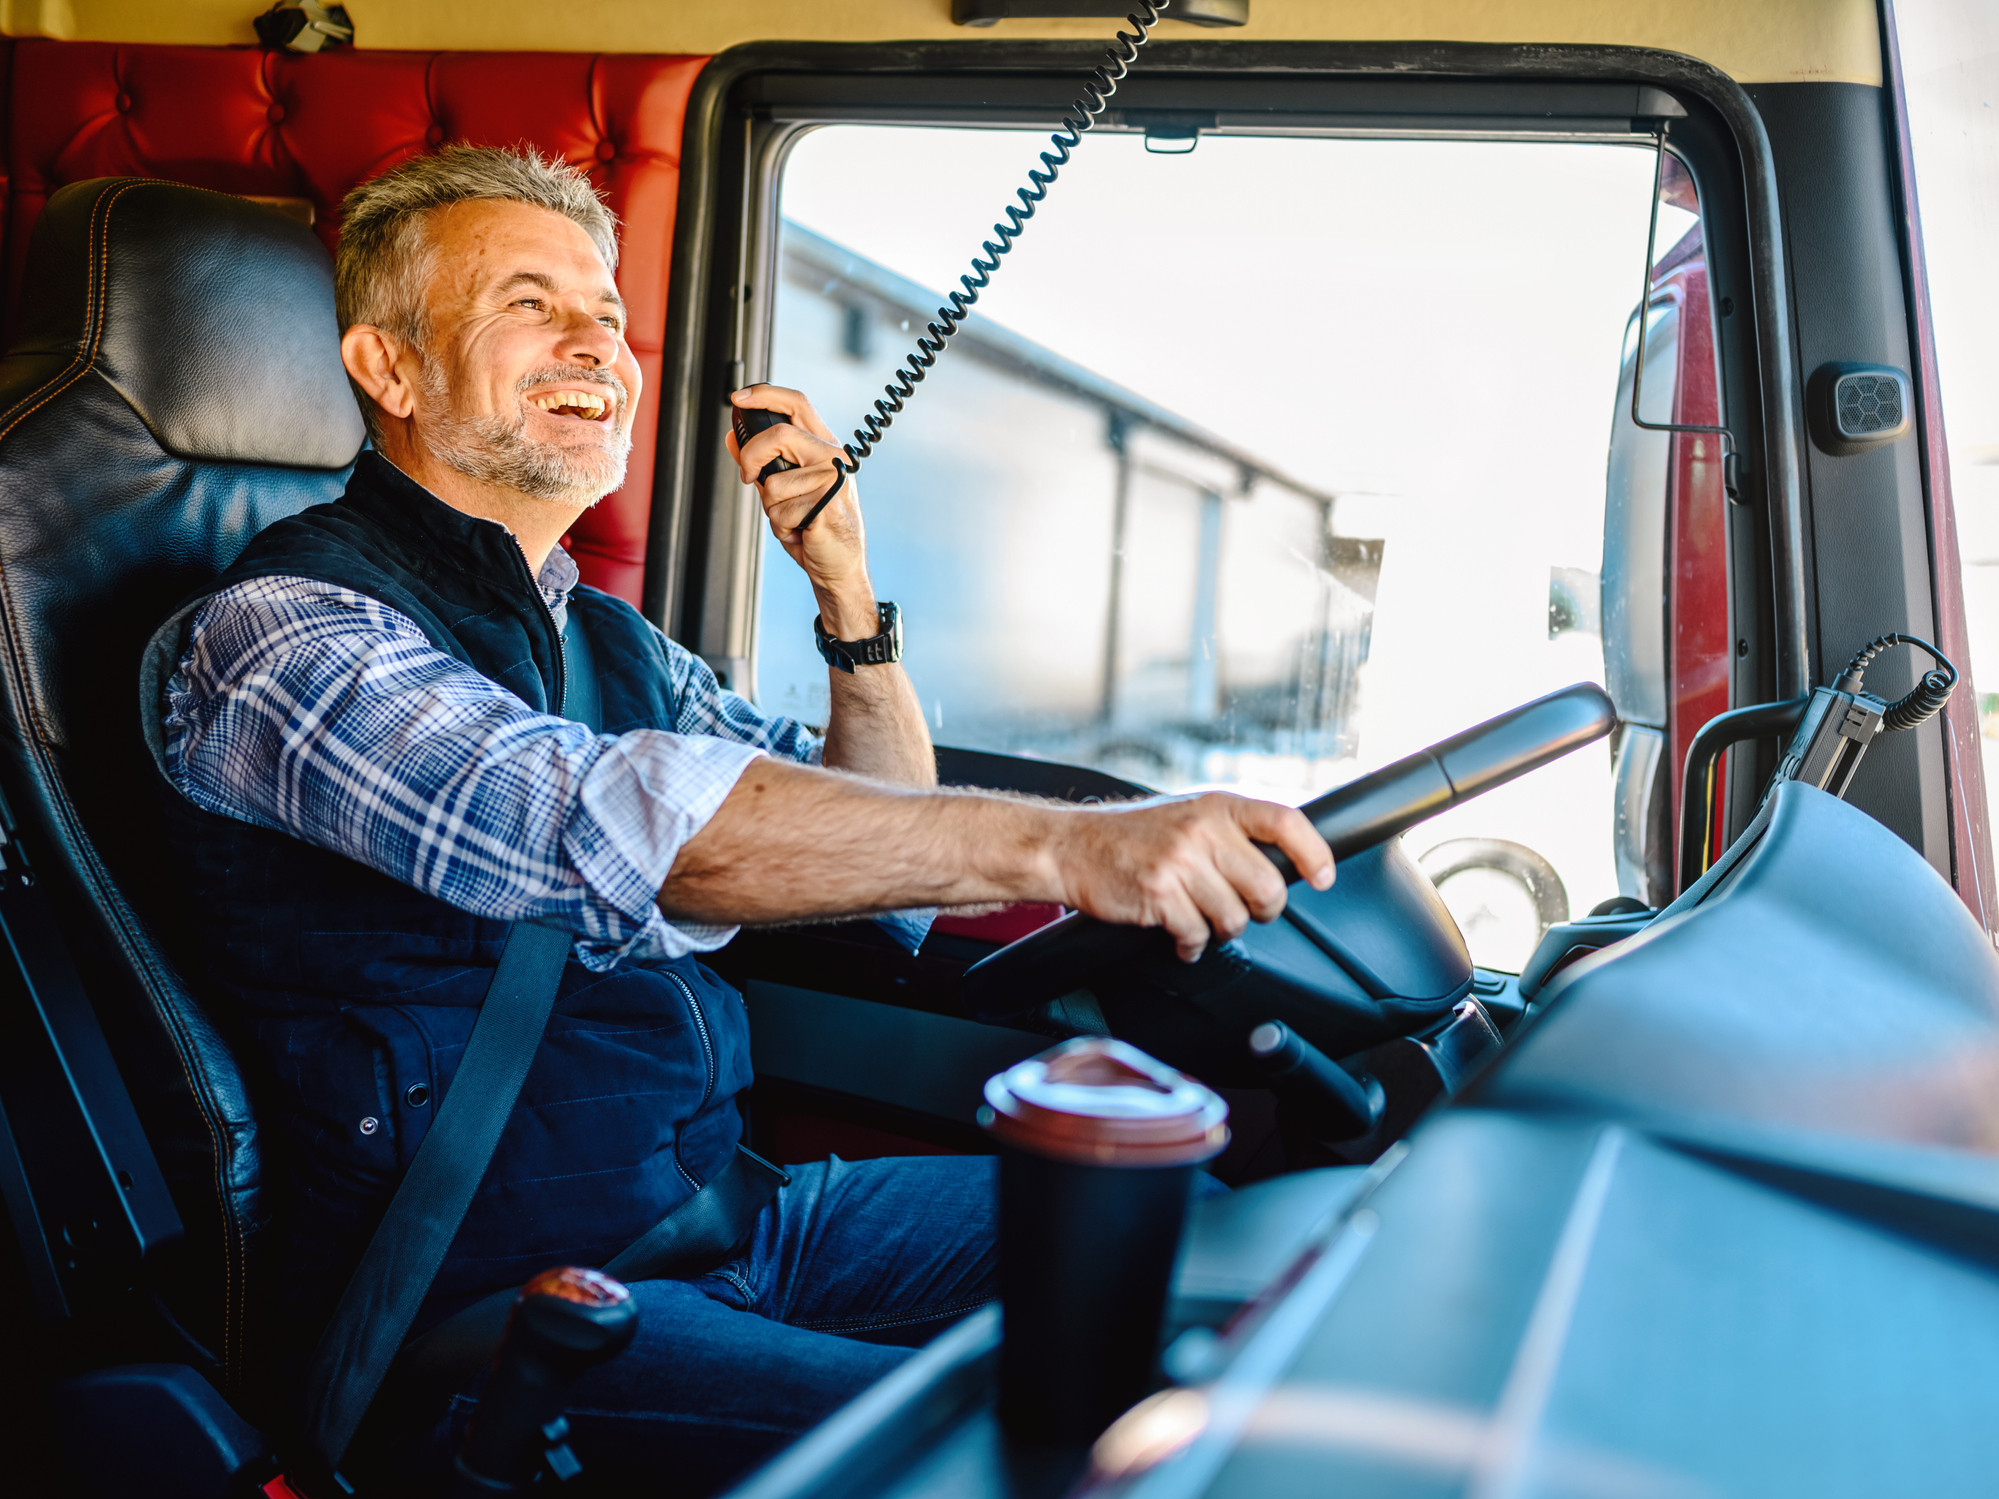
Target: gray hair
point(383, 268)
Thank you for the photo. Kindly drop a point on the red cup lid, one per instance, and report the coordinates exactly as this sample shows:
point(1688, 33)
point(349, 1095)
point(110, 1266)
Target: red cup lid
point(1101, 1102)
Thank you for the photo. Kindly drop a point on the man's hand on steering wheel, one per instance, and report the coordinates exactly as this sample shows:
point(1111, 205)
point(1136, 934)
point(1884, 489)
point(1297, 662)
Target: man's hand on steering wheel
point(1188, 865)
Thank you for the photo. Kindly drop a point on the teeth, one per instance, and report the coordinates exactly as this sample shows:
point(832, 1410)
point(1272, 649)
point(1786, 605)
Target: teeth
point(582, 402)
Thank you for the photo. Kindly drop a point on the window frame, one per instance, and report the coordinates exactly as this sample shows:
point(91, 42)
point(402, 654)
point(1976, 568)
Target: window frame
point(754, 102)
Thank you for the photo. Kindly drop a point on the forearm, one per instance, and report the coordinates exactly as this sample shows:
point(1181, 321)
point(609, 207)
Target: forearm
point(875, 726)
point(792, 843)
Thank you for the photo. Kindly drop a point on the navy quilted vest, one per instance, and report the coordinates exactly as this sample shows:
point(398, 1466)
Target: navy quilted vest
point(359, 991)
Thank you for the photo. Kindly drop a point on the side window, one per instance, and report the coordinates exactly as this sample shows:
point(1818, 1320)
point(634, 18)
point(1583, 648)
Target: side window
point(1258, 466)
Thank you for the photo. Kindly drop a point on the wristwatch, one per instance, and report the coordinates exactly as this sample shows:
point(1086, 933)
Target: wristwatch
point(877, 650)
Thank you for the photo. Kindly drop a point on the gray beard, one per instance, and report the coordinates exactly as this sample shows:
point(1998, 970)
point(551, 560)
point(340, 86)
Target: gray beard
point(496, 450)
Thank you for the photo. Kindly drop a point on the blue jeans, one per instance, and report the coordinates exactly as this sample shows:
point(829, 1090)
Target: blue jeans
point(854, 1264)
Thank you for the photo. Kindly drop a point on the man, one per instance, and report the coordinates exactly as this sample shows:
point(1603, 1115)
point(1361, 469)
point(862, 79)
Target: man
point(374, 780)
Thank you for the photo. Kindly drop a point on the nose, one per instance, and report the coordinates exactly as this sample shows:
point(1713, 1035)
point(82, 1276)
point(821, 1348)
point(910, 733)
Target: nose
point(587, 341)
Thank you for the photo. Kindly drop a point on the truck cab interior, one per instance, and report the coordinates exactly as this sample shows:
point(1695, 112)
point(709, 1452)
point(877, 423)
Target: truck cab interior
point(1370, 385)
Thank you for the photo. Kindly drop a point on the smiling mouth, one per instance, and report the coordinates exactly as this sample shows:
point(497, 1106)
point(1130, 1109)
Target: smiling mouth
point(573, 403)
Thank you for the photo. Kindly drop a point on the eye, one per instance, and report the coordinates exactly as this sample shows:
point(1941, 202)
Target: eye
point(615, 324)
point(532, 304)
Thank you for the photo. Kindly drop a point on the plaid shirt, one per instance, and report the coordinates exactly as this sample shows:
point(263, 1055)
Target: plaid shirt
point(324, 714)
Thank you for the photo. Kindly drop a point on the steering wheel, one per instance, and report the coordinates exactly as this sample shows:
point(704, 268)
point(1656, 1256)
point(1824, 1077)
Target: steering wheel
point(1062, 955)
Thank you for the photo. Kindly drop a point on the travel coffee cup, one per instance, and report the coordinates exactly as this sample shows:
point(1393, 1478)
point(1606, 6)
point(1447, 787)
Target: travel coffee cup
point(1098, 1144)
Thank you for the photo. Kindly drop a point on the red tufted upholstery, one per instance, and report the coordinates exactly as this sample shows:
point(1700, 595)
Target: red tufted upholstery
point(279, 124)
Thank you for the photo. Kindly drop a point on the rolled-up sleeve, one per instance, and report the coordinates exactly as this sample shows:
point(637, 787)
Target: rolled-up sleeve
point(702, 705)
point(324, 714)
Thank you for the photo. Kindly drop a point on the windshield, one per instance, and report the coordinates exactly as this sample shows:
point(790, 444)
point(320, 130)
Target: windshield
point(1258, 466)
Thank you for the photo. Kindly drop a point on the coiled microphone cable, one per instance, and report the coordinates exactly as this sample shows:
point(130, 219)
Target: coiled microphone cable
point(1924, 701)
point(1099, 84)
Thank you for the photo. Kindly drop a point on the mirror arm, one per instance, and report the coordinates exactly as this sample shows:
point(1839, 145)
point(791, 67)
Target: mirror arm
point(1729, 452)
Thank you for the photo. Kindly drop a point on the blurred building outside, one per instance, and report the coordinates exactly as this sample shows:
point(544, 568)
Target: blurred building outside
point(1107, 584)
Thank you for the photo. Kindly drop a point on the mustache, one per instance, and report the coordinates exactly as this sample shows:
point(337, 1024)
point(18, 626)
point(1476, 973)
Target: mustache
point(569, 374)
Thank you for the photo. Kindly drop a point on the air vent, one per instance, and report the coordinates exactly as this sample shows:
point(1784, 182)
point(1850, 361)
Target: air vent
point(1855, 407)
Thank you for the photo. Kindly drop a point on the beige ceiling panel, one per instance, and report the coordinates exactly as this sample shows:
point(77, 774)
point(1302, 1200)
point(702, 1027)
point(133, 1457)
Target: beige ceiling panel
point(1756, 41)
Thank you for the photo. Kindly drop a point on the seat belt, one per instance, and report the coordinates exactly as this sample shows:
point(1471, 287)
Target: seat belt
point(708, 1225)
point(582, 693)
point(365, 1336)
point(699, 1234)
point(402, 1259)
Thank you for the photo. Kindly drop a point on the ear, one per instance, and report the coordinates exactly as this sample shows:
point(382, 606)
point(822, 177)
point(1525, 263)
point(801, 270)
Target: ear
point(374, 361)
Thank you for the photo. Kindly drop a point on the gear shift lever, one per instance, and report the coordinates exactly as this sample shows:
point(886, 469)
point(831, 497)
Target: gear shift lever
point(1320, 1094)
point(564, 1322)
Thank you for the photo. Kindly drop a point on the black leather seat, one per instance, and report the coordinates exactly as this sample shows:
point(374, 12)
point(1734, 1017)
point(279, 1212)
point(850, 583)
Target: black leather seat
point(175, 386)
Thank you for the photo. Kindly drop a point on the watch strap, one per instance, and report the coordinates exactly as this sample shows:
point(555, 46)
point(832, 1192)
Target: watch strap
point(879, 649)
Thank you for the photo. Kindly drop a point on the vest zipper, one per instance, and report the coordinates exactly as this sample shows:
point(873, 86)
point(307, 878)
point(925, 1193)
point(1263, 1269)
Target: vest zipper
point(561, 672)
point(561, 648)
point(708, 1053)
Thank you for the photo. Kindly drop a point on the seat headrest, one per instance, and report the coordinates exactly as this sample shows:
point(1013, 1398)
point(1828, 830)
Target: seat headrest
point(212, 316)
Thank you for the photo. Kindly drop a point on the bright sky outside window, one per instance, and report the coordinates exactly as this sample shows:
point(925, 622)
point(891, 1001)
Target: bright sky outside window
point(1426, 333)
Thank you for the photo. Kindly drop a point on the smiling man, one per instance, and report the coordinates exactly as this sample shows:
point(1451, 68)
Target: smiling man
point(370, 725)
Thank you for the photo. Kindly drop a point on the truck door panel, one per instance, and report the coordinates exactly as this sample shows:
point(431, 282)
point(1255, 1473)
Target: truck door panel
point(1866, 518)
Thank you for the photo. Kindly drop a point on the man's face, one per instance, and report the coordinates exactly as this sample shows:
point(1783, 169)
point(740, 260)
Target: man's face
point(527, 381)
